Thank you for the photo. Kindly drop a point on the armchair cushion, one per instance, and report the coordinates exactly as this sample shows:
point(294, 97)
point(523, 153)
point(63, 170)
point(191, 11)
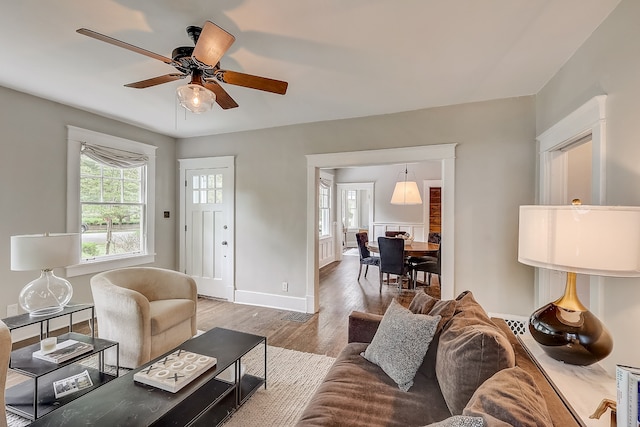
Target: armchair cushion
point(168, 313)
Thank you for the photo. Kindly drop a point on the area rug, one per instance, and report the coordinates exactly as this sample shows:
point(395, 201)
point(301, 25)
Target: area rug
point(351, 252)
point(292, 378)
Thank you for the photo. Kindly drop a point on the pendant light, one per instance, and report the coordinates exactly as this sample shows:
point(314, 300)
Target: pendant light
point(406, 192)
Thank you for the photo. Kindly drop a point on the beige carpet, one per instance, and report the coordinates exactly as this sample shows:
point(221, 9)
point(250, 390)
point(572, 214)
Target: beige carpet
point(292, 378)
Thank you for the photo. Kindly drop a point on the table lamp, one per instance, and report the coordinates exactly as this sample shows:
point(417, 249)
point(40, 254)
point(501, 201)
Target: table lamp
point(594, 240)
point(47, 294)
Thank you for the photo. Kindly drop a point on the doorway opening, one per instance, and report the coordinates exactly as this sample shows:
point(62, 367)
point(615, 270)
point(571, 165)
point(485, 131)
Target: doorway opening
point(444, 153)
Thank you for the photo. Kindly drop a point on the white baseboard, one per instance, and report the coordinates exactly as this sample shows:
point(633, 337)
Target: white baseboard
point(281, 302)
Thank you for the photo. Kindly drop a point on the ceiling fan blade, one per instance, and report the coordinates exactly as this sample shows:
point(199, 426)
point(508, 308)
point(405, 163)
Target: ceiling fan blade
point(212, 44)
point(253, 82)
point(116, 42)
point(222, 97)
point(156, 81)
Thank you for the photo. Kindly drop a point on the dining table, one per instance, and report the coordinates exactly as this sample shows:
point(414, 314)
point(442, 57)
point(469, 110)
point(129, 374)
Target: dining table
point(415, 248)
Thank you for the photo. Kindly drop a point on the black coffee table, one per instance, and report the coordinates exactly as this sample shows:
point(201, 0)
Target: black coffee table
point(205, 401)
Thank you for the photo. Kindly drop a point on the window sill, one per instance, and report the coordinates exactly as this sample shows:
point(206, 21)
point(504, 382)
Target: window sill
point(92, 267)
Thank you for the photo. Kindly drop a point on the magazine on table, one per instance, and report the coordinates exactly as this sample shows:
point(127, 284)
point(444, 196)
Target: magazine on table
point(64, 351)
point(72, 384)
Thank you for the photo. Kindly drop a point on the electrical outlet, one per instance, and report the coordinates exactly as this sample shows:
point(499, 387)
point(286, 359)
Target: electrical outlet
point(12, 310)
point(285, 286)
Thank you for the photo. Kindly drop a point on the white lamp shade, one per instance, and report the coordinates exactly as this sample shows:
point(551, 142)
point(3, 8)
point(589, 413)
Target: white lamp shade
point(598, 240)
point(44, 251)
point(406, 193)
point(195, 98)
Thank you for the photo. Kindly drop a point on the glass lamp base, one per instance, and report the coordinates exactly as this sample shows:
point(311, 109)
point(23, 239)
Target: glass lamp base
point(574, 337)
point(46, 295)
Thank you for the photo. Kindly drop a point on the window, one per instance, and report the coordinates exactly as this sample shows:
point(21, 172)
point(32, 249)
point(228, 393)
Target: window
point(207, 189)
point(110, 195)
point(325, 209)
point(351, 207)
point(112, 209)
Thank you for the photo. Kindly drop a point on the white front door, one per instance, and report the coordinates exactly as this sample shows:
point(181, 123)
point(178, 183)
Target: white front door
point(207, 224)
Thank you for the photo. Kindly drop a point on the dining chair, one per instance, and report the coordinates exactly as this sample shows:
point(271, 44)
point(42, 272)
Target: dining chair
point(365, 256)
point(392, 259)
point(434, 237)
point(429, 267)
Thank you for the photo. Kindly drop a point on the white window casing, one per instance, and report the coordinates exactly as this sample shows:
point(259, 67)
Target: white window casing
point(118, 152)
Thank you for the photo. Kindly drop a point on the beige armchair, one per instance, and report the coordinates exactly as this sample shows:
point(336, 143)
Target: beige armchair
point(147, 310)
point(5, 354)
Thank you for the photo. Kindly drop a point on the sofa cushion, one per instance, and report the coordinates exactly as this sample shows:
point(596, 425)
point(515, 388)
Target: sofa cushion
point(459, 421)
point(510, 397)
point(169, 312)
point(471, 350)
point(426, 304)
point(401, 342)
point(357, 393)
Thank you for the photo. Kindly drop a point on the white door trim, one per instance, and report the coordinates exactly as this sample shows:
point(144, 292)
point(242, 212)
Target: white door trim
point(588, 119)
point(439, 152)
point(208, 163)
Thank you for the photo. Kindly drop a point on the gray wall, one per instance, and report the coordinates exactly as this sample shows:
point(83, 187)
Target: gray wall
point(494, 175)
point(385, 178)
point(33, 180)
point(609, 63)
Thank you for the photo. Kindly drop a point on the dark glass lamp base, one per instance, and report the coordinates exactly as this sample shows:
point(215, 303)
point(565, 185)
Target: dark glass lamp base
point(574, 337)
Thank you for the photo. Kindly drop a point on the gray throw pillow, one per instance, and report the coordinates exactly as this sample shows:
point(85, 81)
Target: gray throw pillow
point(400, 343)
point(459, 421)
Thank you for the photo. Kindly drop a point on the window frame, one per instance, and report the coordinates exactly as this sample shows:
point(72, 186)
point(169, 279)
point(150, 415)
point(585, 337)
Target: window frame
point(75, 137)
point(327, 186)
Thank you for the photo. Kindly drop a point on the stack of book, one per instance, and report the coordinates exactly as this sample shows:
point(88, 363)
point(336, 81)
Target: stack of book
point(64, 351)
point(627, 390)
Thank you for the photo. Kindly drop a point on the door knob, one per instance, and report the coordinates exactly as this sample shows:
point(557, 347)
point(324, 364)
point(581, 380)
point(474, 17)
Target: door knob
point(224, 242)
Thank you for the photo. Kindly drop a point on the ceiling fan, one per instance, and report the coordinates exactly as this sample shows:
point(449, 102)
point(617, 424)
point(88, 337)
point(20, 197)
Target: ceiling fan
point(202, 64)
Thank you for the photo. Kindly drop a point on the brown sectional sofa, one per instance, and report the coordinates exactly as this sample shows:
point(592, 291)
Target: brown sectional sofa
point(474, 370)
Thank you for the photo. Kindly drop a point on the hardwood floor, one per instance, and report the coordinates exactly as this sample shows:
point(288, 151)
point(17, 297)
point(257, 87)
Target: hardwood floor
point(324, 332)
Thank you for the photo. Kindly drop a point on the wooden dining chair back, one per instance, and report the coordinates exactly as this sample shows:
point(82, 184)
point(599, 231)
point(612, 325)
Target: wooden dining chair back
point(366, 258)
point(392, 259)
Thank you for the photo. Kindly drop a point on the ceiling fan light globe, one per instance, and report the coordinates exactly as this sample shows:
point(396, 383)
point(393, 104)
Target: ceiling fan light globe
point(195, 98)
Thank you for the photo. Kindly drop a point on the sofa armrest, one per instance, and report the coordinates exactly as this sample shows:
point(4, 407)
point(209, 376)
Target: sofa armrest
point(363, 326)
point(559, 412)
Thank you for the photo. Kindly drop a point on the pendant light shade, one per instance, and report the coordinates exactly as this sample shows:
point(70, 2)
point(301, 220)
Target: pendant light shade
point(195, 98)
point(406, 192)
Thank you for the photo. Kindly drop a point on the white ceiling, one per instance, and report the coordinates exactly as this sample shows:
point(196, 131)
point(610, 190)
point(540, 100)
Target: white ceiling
point(341, 58)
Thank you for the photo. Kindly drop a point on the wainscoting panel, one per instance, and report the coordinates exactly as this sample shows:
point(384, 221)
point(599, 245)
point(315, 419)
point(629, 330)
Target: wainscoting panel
point(415, 230)
point(326, 251)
